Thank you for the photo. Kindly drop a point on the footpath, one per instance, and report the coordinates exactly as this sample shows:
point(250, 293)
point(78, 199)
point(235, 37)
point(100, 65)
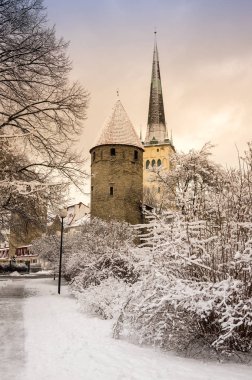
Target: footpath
point(45, 336)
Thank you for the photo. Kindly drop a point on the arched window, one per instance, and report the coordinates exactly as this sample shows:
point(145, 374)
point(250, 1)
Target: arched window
point(112, 152)
point(93, 156)
point(147, 164)
point(153, 163)
point(135, 155)
point(159, 162)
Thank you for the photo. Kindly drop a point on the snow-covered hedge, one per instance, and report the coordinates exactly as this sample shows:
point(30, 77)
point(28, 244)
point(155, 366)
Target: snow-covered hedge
point(104, 299)
point(101, 250)
point(192, 291)
point(101, 266)
point(199, 285)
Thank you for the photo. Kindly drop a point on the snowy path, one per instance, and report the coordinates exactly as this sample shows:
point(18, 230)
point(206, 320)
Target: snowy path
point(61, 343)
point(11, 330)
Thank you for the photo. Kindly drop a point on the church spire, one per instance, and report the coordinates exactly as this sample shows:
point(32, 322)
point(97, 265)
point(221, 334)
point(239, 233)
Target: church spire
point(156, 129)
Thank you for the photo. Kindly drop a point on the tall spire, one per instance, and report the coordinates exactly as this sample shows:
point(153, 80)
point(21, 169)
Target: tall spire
point(156, 129)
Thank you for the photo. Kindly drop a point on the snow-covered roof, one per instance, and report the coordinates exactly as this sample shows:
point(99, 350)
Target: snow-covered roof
point(78, 222)
point(119, 129)
point(76, 204)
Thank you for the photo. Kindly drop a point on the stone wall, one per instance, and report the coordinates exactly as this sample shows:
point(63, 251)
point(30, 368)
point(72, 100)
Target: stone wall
point(117, 183)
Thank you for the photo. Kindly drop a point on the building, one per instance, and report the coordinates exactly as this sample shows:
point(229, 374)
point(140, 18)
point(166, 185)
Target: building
point(158, 147)
point(77, 215)
point(23, 255)
point(23, 230)
point(121, 167)
point(117, 171)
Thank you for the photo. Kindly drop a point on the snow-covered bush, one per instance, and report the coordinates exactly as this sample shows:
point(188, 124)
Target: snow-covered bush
point(192, 290)
point(148, 315)
point(200, 266)
point(101, 250)
point(104, 299)
point(101, 265)
point(47, 247)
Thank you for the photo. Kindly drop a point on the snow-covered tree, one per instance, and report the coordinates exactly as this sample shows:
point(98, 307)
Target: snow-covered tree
point(198, 287)
point(40, 109)
point(100, 250)
point(47, 247)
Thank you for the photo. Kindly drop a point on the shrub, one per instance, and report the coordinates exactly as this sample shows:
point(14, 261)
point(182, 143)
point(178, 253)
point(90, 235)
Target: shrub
point(101, 250)
point(104, 299)
point(200, 260)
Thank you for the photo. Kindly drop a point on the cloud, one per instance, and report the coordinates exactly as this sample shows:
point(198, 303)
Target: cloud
point(205, 58)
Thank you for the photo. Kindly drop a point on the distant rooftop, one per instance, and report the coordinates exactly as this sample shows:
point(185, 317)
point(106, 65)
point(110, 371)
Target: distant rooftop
point(119, 129)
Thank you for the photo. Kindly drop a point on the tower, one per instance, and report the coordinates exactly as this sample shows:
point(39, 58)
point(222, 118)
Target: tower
point(157, 145)
point(117, 171)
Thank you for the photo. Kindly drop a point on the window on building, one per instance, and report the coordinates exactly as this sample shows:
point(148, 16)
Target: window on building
point(135, 155)
point(112, 152)
point(157, 150)
point(93, 156)
point(147, 164)
point(153, 163)
point(111, 190)
point(159, 163)
point(92, 188)
point(158, 190)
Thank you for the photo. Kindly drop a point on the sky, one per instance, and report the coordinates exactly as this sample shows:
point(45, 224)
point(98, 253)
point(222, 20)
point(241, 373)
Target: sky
point(205, 52)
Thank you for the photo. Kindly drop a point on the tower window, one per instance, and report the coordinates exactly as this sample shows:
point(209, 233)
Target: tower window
point(159, 163)
point(112, 152)
point(93, 156)
point(157, 150)
point(111, 190)
point(147, 164)
point(135, 155)
point(92, 188)
point(153, 163)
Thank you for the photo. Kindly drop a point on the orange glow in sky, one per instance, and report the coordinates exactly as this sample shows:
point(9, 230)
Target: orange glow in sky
point(205, 51)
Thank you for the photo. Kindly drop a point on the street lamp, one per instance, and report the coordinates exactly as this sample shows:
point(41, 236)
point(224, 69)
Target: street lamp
point(62, 214)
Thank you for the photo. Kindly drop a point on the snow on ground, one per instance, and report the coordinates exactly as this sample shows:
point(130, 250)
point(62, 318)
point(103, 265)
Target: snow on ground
point(4, 283)
point(12, 334)
point(13, 274)
point(63, 343)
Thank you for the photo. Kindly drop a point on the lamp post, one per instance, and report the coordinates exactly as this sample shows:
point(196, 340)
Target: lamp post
point(62, 214)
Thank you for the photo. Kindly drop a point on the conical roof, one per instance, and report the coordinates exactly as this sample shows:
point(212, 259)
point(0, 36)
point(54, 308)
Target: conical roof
point(119, 129)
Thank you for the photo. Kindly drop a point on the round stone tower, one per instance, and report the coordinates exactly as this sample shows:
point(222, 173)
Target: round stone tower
point(117, 171)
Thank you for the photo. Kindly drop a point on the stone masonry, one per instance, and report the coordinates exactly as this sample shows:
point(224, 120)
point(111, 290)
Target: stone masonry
point(117, 183)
